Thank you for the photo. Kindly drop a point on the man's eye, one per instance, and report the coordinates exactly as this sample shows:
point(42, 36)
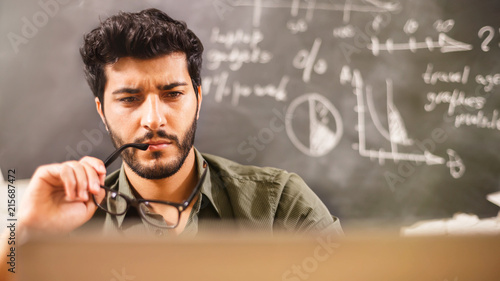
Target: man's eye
point(173, 94)
point(128, 99)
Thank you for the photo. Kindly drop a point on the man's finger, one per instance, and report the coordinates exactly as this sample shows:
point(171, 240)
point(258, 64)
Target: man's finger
point(82, 183)
point(92, 178)
point(68, 178)
point(98, 165)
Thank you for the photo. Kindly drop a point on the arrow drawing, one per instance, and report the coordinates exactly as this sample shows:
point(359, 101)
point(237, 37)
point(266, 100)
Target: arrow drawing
point(445, 44)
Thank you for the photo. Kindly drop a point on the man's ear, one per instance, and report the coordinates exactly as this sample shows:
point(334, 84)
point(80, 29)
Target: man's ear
point(200, 97)
point(98, 105)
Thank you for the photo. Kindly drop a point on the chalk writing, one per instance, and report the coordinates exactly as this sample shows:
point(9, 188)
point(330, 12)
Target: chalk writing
point(479, 120)
point(454, 99)
point(488, 81)
point(488, 32)
point(411, 26)
point(444, 43)
point(432, 77)
point(309, 7)
point(347, 31)
point(308, 61)
point(455, 163)
point(238, 36)
point(222, 89)
point(444, 25)
point(368, 6)
point(235, 55)
point(297, 26)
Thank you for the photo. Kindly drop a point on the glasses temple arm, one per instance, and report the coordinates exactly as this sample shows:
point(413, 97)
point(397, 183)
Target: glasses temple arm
point(116, 153)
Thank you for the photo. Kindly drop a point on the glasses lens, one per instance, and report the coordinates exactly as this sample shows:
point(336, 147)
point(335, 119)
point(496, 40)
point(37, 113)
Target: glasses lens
point(113, 203)
point(151, 211)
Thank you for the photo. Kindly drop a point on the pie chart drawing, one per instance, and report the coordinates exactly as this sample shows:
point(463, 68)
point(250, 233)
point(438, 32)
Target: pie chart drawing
point(315, 114)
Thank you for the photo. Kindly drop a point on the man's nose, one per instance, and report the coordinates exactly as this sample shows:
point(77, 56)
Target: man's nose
point(152, 115)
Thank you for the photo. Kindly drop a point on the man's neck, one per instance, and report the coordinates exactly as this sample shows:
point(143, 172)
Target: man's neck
point(175, 188)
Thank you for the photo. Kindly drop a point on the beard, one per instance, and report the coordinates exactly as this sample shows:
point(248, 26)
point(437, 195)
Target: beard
point(157, 171)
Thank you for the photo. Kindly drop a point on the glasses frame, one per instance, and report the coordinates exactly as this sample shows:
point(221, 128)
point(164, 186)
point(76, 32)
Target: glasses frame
point(136, 202)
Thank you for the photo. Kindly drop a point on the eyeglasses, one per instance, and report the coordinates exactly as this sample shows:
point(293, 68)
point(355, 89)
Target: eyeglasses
point(116, 203)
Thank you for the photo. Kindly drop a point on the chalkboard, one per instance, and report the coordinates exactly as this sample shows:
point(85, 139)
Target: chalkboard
point(388, 109)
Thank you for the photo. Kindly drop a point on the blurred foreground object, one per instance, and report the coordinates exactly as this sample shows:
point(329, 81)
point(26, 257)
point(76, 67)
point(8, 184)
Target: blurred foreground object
point(225, 257)
point(460, 224)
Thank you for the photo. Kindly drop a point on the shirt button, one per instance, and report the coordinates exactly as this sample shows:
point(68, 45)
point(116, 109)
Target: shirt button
point(159, 232)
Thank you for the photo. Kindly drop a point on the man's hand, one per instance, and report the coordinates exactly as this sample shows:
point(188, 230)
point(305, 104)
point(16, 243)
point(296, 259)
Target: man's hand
point(59, 197)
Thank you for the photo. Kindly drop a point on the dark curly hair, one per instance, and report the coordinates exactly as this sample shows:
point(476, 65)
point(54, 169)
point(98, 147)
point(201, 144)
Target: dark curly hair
point(147, 34)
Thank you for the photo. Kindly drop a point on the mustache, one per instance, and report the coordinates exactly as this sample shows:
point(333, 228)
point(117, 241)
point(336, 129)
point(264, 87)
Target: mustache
point(160, 134)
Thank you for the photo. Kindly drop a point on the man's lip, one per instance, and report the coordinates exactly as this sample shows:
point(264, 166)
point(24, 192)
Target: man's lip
point(156, 145)
point(157, 142)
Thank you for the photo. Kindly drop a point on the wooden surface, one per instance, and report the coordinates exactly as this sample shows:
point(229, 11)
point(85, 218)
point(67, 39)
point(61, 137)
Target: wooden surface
point(261, 258)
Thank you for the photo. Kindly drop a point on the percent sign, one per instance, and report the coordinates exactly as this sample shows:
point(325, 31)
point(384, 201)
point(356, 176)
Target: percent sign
point(307, 60)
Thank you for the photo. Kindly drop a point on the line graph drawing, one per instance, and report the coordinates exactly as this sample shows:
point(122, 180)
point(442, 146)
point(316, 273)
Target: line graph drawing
point(396, 134)
point(323, 121)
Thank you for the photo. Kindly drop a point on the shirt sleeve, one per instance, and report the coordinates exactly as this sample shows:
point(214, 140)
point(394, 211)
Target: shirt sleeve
point(300, 210)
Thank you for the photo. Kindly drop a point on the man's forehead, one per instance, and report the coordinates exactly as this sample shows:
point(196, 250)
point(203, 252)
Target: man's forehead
point(163, 68)
point(175, 61)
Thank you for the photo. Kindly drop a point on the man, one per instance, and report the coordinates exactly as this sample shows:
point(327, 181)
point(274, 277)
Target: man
point(144, 71)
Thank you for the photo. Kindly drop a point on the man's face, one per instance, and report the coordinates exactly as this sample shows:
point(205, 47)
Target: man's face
point(151, 101)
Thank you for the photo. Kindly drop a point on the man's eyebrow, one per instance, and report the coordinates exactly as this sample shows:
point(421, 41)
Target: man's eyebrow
point(127, 91)
point(171, 86)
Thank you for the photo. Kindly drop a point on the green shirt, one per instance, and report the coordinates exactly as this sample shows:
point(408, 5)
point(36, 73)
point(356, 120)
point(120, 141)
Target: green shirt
point(242, 197)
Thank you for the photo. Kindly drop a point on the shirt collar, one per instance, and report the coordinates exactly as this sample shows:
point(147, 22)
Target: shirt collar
point(207, 189)
point(124, 188)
